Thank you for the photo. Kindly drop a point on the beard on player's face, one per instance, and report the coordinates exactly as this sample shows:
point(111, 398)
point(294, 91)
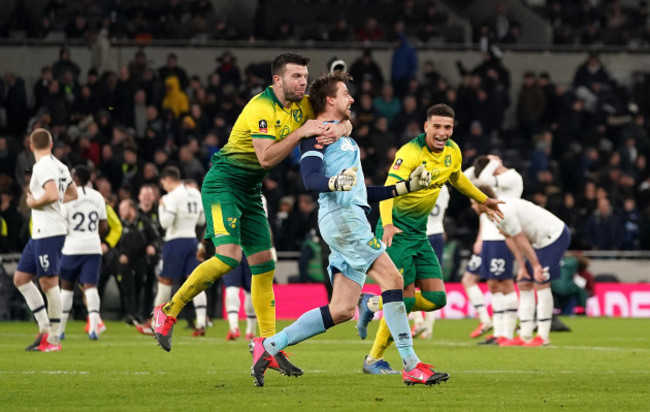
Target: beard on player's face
point(292, 94)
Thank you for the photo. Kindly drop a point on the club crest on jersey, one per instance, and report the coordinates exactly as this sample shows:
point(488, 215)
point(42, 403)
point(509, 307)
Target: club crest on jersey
point(263, 126)
point(448, 160)
point(232, 222)
point(297, 115)
point(374, 243)
point(397, 164)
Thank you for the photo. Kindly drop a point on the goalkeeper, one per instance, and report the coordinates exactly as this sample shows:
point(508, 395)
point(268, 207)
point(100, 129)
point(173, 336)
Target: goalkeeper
point(403, 224)
point(335, 171)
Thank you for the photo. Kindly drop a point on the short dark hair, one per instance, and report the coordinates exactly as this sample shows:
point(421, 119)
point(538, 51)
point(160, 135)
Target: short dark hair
point(82, 173)
point(171, 172)
point(487, 189)
point(40, 139)
point(479, 164)
point(281, 60)
point(440, 109)
point(325, 86)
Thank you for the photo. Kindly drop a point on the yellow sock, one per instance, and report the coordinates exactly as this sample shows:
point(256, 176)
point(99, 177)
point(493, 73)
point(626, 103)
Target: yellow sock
point(263, 297)
point(201, 278)
point(382, 340)
point(422, 304)
point(429, 301)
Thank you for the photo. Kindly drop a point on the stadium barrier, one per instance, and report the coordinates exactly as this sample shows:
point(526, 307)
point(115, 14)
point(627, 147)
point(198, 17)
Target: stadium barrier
point(610, 299)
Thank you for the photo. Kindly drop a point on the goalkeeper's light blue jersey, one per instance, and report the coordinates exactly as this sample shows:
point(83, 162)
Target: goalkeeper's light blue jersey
point(343, 154)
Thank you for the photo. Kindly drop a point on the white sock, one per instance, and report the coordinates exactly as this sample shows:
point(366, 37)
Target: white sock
point(92, 303)
point(36, 304)
point(544, 313)
point(200, 308)
point(477, 299)
point(54, 311)
point(429, 320)
point(498, 308)
point(417, 317)
point(66, 299)
point(251, 319)
point(374, 303)
point(163, 294)
point(232, 306)
point(526, 314)
point(510, 316)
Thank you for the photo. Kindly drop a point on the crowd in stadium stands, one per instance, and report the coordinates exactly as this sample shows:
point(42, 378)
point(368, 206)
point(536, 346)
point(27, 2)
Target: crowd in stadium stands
point(582, 148)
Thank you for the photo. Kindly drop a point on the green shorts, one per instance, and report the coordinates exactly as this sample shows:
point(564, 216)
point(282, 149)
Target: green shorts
point(414, 258)
point(234, 213)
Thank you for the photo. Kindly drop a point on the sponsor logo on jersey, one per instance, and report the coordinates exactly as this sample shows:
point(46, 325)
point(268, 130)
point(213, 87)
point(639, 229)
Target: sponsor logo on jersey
point(448, 160)
point(435, 173)
point(397, 164)
point(284, 132)
point(263, 126)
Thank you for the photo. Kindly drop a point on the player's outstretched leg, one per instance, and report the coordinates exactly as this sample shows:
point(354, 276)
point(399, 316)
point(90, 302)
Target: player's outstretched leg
point(377, 367)
point(365, 315)
point(163, 327)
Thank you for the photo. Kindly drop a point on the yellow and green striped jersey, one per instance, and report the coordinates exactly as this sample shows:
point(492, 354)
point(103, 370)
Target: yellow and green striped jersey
point(264, 117)
point(410, 212)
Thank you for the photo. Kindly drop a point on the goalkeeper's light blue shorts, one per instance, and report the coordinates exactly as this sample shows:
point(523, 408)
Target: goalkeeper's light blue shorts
point(354, 247)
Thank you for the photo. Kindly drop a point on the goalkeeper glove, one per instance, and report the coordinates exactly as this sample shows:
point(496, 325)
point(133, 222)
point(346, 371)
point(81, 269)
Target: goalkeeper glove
point(344, 180)
point(418, 180)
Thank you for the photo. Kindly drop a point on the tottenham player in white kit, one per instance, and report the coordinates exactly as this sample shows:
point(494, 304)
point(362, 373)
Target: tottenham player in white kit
point(495, 261)
point(50, 185)
point(423, 324)
point(179, 211)
point(542, 238)
point(82, 250)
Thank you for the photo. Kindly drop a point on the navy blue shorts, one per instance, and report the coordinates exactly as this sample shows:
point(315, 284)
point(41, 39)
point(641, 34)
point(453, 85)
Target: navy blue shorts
point(179, 258)
point(551, 256)
point(42, 257)
point(496, 260)
point(83, 267)
point(438, 245)
point(474, 265)
point(239, 276)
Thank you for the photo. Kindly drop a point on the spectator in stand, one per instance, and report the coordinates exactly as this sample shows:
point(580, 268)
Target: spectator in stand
point(630, 218)
point(592, 70)
point(175, 99)
point(171, 68)
point(604, 229)
point(366, 68)
point(370, 31)
point(77, 28)
point(15, 104)
point(531, 105)
point(387, 105)
point(228, 71)
point(65, 64)
point(404, 64)
point(341, 31)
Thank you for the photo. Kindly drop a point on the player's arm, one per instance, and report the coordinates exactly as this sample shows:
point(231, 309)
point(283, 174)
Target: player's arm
point(51, 195)
point(487, 205)
point(70, 193)
point(311, 164)
point(419, 179)
point(511, 229)
point(112, 237)
point(270, 152)
point(166, 212)
point(519, 257)
point(102, 228)
point(486, 177)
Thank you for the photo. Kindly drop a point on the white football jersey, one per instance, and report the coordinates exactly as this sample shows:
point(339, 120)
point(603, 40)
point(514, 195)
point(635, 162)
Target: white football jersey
point(437, 215)
point(509, 184)
point(48, 220)
point(180, 212)
point(83, 216)
point(540, 226)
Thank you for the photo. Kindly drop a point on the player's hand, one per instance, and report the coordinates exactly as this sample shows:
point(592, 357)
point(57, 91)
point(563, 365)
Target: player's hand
point(312, 128)
point(344, 180)
point(491, 208)
point(540, 274)
point(124, 260)
point(151, 250)
point(389, 232)
point(419, 179)
point(331, 133)
point(522, 274)
point(105, 248)
point(30, 201)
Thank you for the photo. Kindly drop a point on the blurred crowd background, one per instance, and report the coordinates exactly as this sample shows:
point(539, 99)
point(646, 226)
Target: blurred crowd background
point(582, 147)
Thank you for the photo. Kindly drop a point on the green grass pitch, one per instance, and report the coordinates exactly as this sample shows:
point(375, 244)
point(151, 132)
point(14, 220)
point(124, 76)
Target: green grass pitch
point(601, 365)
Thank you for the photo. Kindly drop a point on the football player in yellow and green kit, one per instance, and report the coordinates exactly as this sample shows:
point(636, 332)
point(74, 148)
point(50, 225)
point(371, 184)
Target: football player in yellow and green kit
point(403, 223)
point(270, 126)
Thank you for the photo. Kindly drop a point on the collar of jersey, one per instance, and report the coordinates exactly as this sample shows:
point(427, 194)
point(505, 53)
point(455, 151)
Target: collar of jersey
point(271, 93)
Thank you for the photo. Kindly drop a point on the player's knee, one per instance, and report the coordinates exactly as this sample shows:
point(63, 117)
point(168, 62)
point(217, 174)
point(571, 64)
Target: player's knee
point(342, 313)
point(409, 303)
point(438, 298)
